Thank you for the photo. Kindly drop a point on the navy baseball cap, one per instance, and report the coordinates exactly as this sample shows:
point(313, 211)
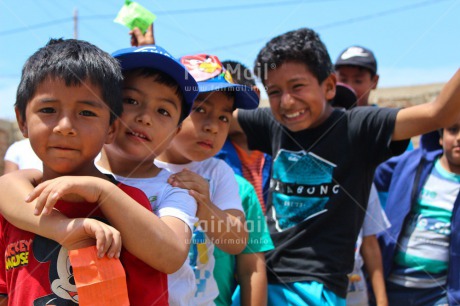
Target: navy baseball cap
point(153, 56)
point(210, 74)
point(357, 56)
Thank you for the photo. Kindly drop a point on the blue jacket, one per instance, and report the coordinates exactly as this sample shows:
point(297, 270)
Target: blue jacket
point(402, 177)
point(230, 156)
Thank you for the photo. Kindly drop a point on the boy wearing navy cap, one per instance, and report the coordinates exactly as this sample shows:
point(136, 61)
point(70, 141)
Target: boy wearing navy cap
point(357, 67)
point(210, 180)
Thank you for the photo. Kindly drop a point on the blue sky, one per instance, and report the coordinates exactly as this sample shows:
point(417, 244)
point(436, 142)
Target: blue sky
point(415, 41)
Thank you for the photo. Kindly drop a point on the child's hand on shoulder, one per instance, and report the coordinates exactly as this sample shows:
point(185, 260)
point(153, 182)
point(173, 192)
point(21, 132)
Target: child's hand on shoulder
point(197, 186)
point(67, 188)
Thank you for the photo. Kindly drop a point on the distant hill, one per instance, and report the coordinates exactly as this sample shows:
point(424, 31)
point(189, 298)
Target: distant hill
point(405, 96)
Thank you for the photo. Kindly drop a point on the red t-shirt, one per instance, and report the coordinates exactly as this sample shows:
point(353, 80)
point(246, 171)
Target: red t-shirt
point(37, 271)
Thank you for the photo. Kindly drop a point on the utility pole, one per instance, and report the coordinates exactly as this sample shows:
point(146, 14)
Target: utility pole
point(75, 23)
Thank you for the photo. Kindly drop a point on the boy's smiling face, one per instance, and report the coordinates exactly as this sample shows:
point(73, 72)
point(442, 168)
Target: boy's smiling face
point(204, 131)
point(67, 126)
point(149, 121)
point(296, 98)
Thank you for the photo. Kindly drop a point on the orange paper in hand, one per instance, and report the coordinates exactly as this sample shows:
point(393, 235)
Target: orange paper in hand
point(99, 281)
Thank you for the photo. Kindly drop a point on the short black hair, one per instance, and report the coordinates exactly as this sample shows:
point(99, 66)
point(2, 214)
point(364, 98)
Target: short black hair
point(74, 61)
point(302, 46)
point(241, 74)
point(164, 79)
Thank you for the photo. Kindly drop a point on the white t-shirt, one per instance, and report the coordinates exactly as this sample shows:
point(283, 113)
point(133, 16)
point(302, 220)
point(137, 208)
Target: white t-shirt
point(176, 202)
point(375, 221)
point(224, 194)
point(22, 154)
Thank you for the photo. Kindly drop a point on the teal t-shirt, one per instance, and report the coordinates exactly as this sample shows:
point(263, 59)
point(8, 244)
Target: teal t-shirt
point(259, 241)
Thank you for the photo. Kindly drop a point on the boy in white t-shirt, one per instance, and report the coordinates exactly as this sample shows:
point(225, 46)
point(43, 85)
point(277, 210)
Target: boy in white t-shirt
point(209, 180)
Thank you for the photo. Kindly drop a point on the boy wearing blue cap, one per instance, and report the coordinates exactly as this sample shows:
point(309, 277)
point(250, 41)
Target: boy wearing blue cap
point(68, 100)
point(157, 96)
point(324, 161)
point(209, 180)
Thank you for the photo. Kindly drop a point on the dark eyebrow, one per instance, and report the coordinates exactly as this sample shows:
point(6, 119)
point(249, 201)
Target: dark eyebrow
point(163, 99)
point(229, 109)
point(92, 103)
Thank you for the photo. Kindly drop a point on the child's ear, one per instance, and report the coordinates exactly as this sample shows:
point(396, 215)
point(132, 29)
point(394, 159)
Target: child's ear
point(375, 81)
point(329, 86)
point(22, 123)
point(113, 128)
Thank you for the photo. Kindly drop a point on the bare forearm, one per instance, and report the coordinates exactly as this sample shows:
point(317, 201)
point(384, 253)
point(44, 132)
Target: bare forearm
point(21, 214)
point(370, 251)
point(225, 227)
point(143, 233)
point(434, 115)
point(252, 278)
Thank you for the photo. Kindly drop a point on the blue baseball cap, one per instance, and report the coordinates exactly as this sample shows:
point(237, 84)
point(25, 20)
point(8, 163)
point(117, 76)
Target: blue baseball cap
point(153, 56)
point(210, 74)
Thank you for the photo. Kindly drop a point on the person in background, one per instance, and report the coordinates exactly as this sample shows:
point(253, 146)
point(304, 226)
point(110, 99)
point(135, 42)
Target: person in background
point(356, 66)
point(20, 155)
point(421, 249)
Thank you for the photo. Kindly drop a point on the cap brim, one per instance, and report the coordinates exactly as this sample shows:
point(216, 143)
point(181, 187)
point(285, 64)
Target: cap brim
point(130, 59)
point(344, 97)
point(245, 96)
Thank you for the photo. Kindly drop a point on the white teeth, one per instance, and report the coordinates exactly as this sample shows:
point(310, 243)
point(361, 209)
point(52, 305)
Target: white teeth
point(293, 115)
point(138, 135)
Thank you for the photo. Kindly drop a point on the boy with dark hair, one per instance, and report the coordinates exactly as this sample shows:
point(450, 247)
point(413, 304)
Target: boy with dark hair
point(67, 118)
point(324, 164)
point(420, 250)
point(356, 66)
point(209, 180)
point(158, 94)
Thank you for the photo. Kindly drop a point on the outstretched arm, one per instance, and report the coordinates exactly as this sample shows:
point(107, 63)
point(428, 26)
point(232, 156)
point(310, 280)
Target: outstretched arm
point(225, 227)
point(426, 117)
point(141, 230)
point(71, 233)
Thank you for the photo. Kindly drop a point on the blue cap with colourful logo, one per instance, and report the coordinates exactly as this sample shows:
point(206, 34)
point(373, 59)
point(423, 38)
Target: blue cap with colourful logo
point(210, 74)
point(153, 56)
